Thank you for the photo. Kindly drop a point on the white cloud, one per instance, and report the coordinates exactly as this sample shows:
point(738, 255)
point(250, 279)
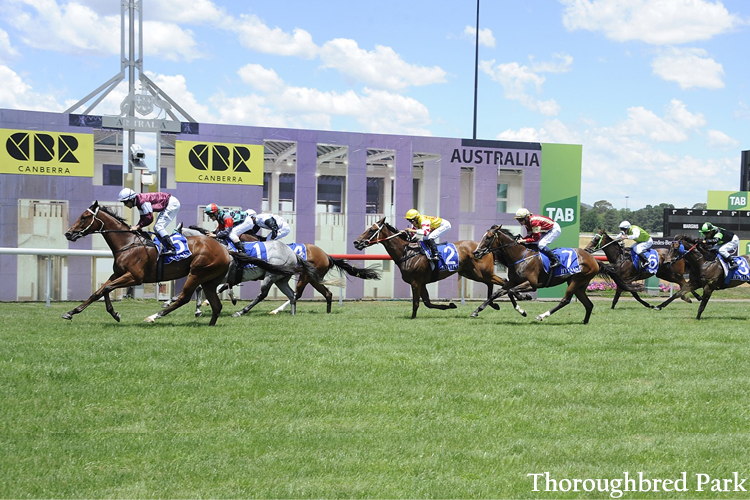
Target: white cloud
point(519, 81)
point(260, 78)
point(674, 126)
point(486, 37)
point(169, 41)
point(664, 22)
point(7, 51)
point(689, 68)
point(179, 11)
point(255, 35)
point(719, 140)
point(381, 68)
point(553, 131)
point(16, 94)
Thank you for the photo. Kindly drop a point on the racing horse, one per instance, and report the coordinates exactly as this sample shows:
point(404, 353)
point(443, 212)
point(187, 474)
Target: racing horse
point(705, 273)
point(136, 259)
point(415, 266)
point(323, 264)
point(526, 271)
point(621, 260)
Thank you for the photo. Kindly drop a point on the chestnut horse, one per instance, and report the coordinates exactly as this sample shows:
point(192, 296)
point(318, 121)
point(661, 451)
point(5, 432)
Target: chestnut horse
point(705, 273)
point(321, 261)
point(136, 259)
point(526, 271)
point(621, 259)
point(415, 266)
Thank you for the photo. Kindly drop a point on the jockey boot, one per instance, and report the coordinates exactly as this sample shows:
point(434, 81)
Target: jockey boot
point(553, 260)
point(167, 247)
point(731, 264)
point(240, 246)
point(644, 261)
point(433, 250)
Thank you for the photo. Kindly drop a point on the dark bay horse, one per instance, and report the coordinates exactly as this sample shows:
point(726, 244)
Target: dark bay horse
point(622, 262)
point(136, 259)
point(322, 262)
point(526, 271)
point(415, 266)
point(705, 273)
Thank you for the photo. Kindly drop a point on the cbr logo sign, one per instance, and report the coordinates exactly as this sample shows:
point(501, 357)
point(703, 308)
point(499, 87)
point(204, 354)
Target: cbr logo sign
point(46, 153)
point(218, 163)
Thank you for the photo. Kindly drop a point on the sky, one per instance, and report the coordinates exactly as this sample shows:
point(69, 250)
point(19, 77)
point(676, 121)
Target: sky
point(657, 92)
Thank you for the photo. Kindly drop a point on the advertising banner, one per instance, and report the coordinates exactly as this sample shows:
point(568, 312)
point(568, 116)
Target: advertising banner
point(219, 163)
point(37, 152)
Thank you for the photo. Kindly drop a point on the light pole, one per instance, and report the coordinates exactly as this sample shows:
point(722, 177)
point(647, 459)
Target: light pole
point(476, 73)
point(626, 202)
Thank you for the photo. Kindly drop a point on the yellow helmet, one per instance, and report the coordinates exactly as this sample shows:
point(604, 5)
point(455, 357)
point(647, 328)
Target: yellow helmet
point(522, 213)
point(411, 214)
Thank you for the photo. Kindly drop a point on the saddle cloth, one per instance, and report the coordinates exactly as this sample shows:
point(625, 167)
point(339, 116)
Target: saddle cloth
point(447, 253)
point(299, 249)
point(653, 260)
point(255, 249)
point(180, 245)
point(568, 262)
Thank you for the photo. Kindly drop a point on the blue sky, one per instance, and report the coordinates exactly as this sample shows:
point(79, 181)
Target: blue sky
point(656, 91)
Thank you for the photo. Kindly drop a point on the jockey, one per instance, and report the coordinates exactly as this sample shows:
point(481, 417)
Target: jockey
point(231, 224)
point(148, 203)
point(540, 230)
point(274, 223)
point(725, 242)
point(429, 228)
point(642, 239)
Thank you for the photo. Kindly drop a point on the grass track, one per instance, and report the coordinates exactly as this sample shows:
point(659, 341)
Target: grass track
point(366, 403)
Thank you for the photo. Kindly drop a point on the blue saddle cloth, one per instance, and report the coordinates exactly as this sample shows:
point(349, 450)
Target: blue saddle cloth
point(653, 260)
point(447, 253)
point(568, 258)
point(180, 245)
point(255, 249)
point(299, 249)
point(742, 273)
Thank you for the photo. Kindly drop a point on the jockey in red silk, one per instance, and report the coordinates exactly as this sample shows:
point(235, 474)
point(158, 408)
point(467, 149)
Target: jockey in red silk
point(147, 203)
point(540, 230)
point(232, 223)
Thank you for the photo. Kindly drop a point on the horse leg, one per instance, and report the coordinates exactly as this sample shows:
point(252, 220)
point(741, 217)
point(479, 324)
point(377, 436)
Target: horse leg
point(706, 295)
point(636, 296)
point(683, 292)
point(125, 280)
point(586, 301)
point(110, 309)
point(214, 301)
point(264, 289)
point(283, 285)
point(191, 284)
point(618, 292)
point(415, 294)
point(428, 303)
point(198, 301)
point(280, 308)
point(563, 302)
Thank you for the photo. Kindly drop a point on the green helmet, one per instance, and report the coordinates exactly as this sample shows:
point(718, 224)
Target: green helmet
point(707, 228)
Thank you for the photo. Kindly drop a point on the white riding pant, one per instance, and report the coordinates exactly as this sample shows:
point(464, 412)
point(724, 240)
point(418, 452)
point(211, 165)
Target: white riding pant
point(166, 216)
point(643, 246)
point(241, 228)
point(283, 230)
point(728, 250)
point(435, 233)
point(549, 237)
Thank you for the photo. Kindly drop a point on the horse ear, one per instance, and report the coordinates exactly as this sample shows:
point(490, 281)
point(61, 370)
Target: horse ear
point(95, 204)
point(381, 221)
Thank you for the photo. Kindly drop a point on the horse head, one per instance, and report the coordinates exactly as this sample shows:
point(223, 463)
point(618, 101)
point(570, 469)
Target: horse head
point(488, 242)
point(377, 233)
point(680, 247)
point(87, 223)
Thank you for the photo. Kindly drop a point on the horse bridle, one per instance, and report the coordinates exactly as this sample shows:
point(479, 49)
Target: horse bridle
point(94, 218)
point(370, 241)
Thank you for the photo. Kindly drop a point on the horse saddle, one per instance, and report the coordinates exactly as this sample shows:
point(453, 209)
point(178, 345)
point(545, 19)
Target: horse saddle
point(180, 245)
point(255, 249)
point(568, 258)
point(447, 256)
point(652, 258)
point(739, 273)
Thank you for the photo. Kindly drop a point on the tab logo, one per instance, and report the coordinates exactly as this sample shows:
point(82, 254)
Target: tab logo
point(564, 212)
point(737, 200)
point(216, 163)
point(46, 153)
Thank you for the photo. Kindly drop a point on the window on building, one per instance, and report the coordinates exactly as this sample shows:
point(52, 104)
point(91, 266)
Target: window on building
point(265, 206)
point(330, 194)
point(286, 192)
point(375, 193)
point(502, 198)
point(163, 178)
point(415, 194)
point(111, 175)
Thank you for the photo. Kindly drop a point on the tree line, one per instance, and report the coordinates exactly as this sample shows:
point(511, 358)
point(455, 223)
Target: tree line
point(602, 215)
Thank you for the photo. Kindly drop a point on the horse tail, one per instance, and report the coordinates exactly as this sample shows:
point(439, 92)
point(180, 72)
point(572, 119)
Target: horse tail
point(266, 266)
point(365, 273)
point(308, 269)
point(607, 272)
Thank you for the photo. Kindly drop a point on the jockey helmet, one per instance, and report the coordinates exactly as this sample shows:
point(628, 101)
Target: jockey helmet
point(213, 209)
point(411, 214)
point(251, 213)
point(624, 225)
point(707, 227)
point(522, 213)
point(126, 194)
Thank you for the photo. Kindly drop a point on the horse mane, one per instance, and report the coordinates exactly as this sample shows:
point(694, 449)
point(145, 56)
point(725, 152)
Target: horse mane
point(506, 232)
point(112, 214)
point(686, 237)
point(393, 229)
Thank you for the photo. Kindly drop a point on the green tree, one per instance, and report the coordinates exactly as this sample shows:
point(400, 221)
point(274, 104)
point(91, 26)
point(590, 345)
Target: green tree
point(590, 221)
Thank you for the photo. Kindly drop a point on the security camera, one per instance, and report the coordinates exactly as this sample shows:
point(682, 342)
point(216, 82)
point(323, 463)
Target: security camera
point(136, 153)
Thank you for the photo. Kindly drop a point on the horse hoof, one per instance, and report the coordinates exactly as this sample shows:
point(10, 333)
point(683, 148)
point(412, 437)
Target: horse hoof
point(198, 314)
point(540, 318)
point(474, 314)
point(452, 306)
point(117, 317)
point(149, 319)
point(495, 306)
point(274, 313)
point(237, 314)
point(234, 301)
point(67, 316)
point(658, 308)
point(523, 313)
